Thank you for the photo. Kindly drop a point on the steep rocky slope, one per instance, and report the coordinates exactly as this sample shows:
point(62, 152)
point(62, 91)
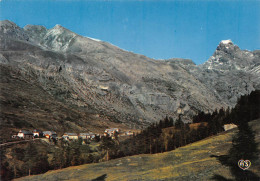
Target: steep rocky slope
point(113, 85)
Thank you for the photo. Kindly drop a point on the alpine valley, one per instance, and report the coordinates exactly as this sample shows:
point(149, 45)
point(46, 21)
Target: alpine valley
point(54, 79)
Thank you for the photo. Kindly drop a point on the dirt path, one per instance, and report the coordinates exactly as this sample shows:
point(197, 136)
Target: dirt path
point(17, 142)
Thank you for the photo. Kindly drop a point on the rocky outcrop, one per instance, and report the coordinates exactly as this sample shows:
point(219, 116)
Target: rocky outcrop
point(231, 72)
point(121, 86)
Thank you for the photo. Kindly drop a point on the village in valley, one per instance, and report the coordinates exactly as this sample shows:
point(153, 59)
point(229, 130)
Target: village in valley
point(110, 132)
point(69, 136)
point(113, 133)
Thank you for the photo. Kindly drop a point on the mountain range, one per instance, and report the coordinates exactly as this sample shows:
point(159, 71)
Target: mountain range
point(55, 79)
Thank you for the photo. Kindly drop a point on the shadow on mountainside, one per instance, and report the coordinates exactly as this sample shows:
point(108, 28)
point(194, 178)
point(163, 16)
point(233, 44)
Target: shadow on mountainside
point(100, 178)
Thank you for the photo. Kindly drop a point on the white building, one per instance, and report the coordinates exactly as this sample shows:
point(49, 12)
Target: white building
point(25, 134)
point(111, 131)
point(229, 126)
point(70, 136)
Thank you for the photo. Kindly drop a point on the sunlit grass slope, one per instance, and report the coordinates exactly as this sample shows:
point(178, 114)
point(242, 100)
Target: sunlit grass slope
point(192, 162)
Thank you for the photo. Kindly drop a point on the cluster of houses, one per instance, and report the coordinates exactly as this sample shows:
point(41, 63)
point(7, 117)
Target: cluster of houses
point(25, 134)
point(112, 132)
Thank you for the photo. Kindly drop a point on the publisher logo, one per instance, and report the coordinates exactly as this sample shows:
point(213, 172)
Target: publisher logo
point(244, 164)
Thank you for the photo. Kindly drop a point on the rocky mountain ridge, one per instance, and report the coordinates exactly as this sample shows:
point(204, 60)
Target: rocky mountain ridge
point(117, 86)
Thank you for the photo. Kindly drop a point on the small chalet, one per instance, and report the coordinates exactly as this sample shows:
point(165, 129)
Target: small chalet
point(229, 126)
point(25, 134)
point(70, 136)
point(49, 134)
point(84, 136)
point(129, 133)
point(111, 131)
point(37, 133)
point(87, 135)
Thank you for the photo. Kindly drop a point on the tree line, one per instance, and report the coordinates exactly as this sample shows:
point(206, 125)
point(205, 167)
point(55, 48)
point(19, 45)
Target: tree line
point(37, 157)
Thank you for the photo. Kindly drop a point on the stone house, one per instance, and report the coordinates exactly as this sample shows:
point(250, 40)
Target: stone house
point(37, 133)
point(129, 133)
point(87, 135)
point(84, 136)
point(70, 136)
point(25, 134)
point(50, 134)
point(111, 131)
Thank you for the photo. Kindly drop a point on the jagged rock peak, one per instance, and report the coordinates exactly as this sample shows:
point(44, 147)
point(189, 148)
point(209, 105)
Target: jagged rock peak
point(10, 29)
point(7, 26)
point(229, 56)
point(227, 46)
point(60, 29)
point(58, 38)
point(58, 26)
point(7, 23)
point(37, 28)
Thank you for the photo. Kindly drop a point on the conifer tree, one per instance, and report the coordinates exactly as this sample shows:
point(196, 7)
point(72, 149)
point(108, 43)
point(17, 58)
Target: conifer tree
point(179, 123)
point(243, 147)
point(107, 144)
point(171, 122)
point(67, 155)
point(30, 157)
point(58, 160)
point(41, 162)
point(75, 152)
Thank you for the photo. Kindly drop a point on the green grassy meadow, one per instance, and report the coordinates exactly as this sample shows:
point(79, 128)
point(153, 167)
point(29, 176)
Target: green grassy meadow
point(191, 162)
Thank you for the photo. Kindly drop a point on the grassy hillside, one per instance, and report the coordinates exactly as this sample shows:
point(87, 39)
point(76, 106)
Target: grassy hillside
point(192, 162)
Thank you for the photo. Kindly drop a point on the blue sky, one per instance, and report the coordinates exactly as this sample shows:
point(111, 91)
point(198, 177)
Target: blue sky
point(158, 29)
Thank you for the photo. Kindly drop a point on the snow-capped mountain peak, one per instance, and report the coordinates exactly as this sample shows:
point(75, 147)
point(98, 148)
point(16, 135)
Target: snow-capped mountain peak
point(226, 42)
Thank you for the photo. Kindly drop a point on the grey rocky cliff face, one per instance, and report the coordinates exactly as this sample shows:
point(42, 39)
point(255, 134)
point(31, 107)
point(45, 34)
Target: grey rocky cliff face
point(123, 86)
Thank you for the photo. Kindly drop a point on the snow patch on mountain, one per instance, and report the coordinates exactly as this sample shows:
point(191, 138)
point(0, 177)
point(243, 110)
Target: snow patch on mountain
point(94, 39)
point(226, 42)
